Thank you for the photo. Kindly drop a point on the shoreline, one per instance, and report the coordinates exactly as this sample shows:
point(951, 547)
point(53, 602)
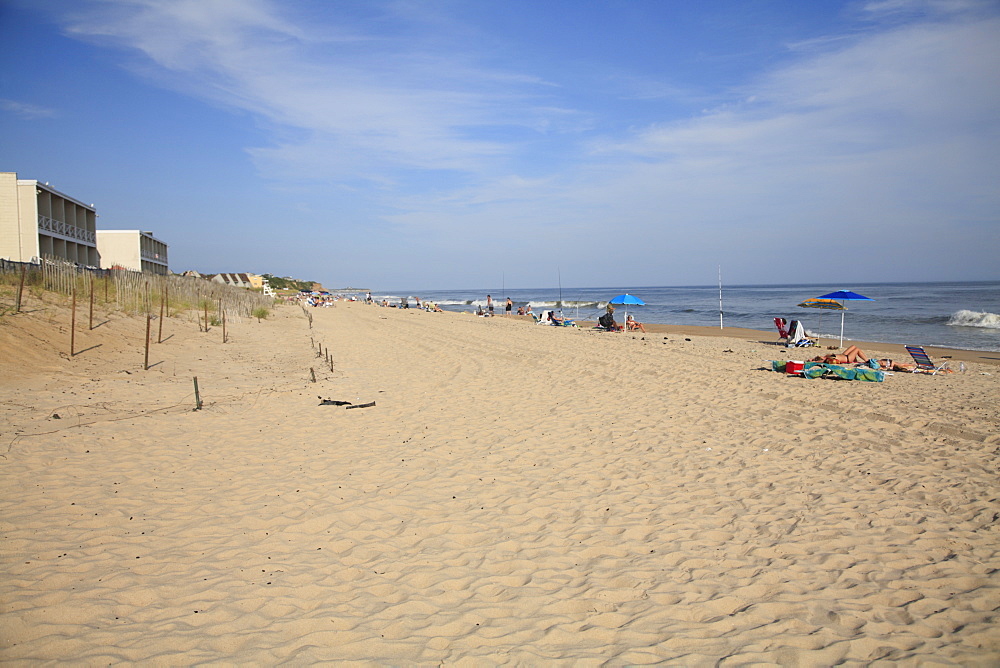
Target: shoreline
point(893, 350)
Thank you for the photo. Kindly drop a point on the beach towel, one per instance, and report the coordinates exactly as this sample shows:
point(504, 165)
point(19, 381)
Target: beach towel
point(862, 373)
point(841, 372)
point(797, 335)
point(813, 370)
point(869, 375)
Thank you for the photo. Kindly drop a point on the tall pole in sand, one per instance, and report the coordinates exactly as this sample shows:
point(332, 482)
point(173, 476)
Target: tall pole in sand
point(720, 297)
point(559, 276)
point(72, 324)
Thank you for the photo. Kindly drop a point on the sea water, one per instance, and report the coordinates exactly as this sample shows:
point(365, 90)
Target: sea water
point(953, 315)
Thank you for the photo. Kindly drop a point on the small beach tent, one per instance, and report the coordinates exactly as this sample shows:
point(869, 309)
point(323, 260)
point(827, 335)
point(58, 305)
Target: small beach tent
point(842, 296)
point(626, 299)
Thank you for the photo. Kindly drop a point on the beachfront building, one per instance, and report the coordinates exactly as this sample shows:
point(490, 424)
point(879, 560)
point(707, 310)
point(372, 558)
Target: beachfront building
point(36, 221)
point(235, 280)
point(132, 249)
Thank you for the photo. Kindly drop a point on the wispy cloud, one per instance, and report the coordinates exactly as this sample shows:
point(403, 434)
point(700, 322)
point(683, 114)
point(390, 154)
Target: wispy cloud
point(875, 138)
point(881, 131)
point(26, 110)
point(362, 103)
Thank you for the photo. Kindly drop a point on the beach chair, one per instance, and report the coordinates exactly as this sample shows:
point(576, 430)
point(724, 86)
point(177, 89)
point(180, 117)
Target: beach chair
point(797, 336)
point(782, 326)
point(606, 323)
point(923, 361)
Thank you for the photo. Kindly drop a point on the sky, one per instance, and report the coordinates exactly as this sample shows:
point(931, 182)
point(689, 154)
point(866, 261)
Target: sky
point(457, 144)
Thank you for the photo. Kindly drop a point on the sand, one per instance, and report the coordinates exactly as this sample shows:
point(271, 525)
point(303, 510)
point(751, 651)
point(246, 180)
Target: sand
point(518, 495)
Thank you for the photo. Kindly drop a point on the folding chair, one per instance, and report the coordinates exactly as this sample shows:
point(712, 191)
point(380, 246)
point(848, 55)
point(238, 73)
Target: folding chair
point(782, 326)
point(923, 360)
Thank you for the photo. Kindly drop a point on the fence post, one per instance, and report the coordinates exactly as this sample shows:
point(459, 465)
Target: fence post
point(72, 325)
point(20, 288)
point(197, 395)
point(159, 336)
point(91, 301)
point(145, 366)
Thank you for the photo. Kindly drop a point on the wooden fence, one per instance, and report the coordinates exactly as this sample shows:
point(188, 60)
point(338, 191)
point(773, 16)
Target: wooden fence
point(136, 292)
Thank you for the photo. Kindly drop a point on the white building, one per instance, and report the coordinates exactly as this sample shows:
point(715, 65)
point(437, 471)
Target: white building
point(132, 249)
point(37, 220)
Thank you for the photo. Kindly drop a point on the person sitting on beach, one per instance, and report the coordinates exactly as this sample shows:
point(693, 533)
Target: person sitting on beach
point(520, 310)
point(633, 324)
point(607, 321)
point(853, 355)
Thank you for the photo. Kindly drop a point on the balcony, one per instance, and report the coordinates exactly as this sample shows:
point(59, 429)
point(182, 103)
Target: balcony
point(58, 228)
point(154, 257)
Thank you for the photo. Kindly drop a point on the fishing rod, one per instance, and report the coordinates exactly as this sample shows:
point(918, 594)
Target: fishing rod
point(559, 273)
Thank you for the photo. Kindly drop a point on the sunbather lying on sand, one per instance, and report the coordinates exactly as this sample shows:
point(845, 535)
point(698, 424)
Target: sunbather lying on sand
point(852, 355)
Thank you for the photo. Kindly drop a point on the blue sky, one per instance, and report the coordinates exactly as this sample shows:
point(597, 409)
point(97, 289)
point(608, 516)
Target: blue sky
point(460, 143)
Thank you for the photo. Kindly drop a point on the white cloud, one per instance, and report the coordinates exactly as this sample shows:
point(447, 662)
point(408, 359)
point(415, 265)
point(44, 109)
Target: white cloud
point(884, 145)
point(363, 102)
point(26, 110)
point(870, 137)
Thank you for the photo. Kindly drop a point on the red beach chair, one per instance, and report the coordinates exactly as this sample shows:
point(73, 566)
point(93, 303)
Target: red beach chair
point(782, 326)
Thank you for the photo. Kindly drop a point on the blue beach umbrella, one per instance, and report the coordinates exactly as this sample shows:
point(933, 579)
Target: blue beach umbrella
point(842, 296)
point(627, 299)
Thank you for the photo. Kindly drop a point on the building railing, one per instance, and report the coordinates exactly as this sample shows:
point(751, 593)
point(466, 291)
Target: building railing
point(66, 231)
point(153, 257)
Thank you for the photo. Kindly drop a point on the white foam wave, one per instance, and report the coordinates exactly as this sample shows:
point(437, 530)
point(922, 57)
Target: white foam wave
point(965, 318)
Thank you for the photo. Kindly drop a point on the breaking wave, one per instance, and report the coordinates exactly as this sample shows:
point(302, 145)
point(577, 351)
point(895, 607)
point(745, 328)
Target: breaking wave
point(966, 318)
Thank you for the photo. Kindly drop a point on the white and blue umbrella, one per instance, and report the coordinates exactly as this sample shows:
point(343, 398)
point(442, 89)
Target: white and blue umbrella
point(842, 296)
point(627, 299)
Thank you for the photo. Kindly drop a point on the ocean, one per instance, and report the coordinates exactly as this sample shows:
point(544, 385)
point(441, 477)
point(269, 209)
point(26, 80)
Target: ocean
point(954, 315)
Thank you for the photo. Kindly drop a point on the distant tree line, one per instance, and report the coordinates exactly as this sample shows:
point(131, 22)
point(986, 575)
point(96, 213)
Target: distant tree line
point(279, 283)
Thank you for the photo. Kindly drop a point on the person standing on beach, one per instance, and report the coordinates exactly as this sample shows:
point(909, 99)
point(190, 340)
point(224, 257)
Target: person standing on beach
point(489, 304)
point(508, 307)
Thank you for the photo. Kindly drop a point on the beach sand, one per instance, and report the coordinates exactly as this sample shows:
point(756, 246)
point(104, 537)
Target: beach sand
point(517, 495)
